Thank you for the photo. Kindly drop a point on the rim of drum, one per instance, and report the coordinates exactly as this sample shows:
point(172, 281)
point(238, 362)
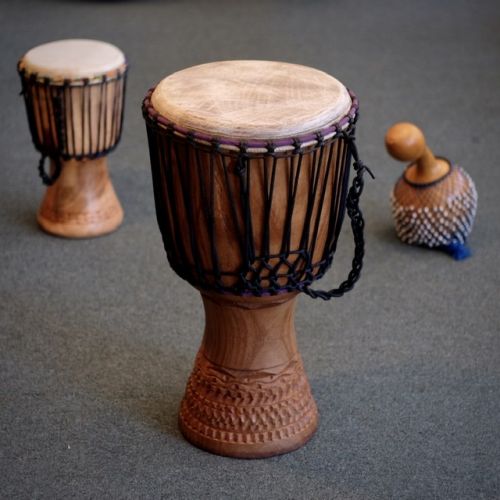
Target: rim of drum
point(254, 146)
point(109, 76)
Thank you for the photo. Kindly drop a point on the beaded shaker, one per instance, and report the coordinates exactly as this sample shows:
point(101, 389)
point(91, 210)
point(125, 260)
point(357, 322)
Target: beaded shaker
point(434, 202)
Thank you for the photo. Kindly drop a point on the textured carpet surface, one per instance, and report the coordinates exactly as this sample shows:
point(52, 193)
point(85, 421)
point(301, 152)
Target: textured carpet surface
point(97, 337)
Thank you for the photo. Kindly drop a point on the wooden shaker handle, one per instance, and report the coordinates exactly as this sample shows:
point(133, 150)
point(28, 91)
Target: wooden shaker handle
point(406, 142)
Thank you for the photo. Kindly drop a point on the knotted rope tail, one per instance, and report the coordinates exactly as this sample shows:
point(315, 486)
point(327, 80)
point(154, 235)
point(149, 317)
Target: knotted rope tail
point(357, 225)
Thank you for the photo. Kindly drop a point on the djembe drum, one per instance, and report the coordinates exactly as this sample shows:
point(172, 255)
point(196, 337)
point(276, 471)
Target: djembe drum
point(74, 94)
point(250, 164)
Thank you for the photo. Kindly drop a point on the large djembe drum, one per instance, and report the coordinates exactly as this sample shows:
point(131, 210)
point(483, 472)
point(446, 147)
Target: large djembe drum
point(250, 163)
point(74, 94)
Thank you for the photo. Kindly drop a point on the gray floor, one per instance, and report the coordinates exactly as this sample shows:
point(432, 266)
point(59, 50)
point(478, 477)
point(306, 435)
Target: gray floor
point(98, 336)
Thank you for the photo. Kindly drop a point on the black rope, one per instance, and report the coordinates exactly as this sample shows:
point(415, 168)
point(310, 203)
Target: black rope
point(49, 179)
point(357, 225)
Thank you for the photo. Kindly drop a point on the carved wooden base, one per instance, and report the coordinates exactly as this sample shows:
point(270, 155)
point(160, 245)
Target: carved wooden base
point(248, 395)
point(82, 203)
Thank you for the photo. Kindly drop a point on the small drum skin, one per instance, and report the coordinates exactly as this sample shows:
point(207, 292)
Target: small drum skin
point(250, 164)
point(74, 94)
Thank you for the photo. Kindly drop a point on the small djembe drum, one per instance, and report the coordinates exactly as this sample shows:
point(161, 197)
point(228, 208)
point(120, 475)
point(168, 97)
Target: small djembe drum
point(434, 202)
point(74, 94)
point(250, 164)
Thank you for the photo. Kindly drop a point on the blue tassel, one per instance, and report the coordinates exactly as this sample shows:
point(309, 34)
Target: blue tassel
point(459, 251)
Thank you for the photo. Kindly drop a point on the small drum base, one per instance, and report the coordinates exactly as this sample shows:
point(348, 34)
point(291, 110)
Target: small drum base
point(82, 202)
point(248, 395)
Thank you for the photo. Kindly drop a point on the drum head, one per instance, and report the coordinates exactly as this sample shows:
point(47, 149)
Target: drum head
point(73, 59)
point(251, 99)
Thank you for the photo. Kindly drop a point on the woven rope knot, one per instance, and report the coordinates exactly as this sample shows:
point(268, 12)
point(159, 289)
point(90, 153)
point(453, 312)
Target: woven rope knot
point(320, 138)
point(271, 147)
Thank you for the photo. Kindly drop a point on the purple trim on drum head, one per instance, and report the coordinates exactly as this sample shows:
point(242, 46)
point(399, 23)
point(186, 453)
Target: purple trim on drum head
point(333, 128)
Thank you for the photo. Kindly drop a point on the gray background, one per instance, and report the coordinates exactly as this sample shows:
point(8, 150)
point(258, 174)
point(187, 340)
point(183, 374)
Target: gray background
point(98, 336)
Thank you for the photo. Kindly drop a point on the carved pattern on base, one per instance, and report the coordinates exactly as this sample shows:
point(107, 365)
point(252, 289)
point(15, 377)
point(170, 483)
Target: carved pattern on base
point(247, 407)
point(83, 218)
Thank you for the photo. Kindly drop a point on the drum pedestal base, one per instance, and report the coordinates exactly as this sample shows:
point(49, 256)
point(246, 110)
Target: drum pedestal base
point(248, 395)
point(82, 203)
